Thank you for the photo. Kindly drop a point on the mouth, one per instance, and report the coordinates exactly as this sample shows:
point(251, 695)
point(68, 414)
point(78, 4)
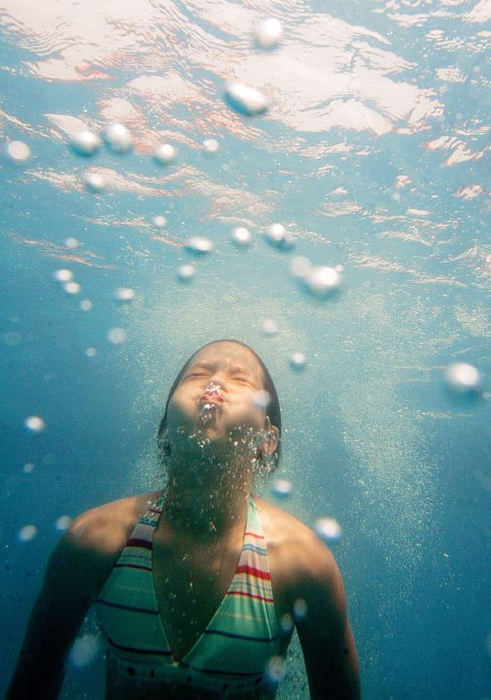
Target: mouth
point(208, 397)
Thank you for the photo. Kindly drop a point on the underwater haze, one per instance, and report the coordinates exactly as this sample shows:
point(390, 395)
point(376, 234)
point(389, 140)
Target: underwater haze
point(360, 171)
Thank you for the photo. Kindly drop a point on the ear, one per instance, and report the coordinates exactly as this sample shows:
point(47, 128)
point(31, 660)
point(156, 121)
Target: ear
point(269, 442)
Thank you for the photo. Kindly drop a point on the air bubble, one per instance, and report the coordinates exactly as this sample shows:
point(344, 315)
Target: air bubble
point(18, 151)
point(300, 609)
point(286, 623)
point(118, 138)
point(71, 243)
point(85, 143)
point(116, 336)
point(463, 378)
point(279, 237)
point(91, 352)
point(298, 360)
point(159, 221)
point(270, 327)
point(322, 281)
point(199, 244)
point(269, 33)
point(94, 182)
point(72, 287)
point(276, 669)
point(245, 99)
point(86, 305)
point(28, 532)
point(211, 145)
point(300, 266)
point(262, 398)
point(165, 153)
point(28, 468)
point(328, 530)
point(282, 488)
point(63, 522)
point(84, 650)
point(186, 272)
point(35, 424)
point(124, 294)
point(63, 275)
point(241, 236)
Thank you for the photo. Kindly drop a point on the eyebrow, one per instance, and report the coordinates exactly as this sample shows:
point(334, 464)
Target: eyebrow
point(234, 369)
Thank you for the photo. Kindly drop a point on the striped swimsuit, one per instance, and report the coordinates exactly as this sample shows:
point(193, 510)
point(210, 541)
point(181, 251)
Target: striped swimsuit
point(232, 654)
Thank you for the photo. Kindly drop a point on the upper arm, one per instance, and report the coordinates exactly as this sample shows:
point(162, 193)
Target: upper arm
point(71, 580)
point(324, 631)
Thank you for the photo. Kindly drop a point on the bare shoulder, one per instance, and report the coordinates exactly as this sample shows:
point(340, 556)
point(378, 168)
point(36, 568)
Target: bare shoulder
point(105, 529)
point(297, 554)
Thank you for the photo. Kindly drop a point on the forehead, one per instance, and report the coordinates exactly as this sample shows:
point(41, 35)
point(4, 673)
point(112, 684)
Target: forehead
point(229, 356)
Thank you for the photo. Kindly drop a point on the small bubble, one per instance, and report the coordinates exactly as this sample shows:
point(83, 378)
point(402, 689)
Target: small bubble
point(298, 360)
point(63, 522)
point(35, 424)
point(164, 153)
point(463, 378)
point(262, 398)
point(270, 327)
point(94, 182)
point(282, 488)
point(276, 669)
point(241, 236)
point(12, 338)
point(85, 143)
point(210, 145)
point(28, 532)
point(186, 272)
point(323, 280)
point(286, 622)
point(279, 237)
point(18, 151)
point(72, 287)
point(86, 305)
point(245, 99)
point(71, 243)
point(63, 275)
point(124, 294)
point(116, 336)
point(199, 244)
point(159, 221)
point(299, 609)
point(118, 138)
point(84, 650)
point(300, 266)
point(269, 33)
point(91, 352)
point(328, 530)
point(28, 468)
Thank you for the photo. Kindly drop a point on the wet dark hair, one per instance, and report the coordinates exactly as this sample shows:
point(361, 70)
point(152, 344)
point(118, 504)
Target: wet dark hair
point(272, 410)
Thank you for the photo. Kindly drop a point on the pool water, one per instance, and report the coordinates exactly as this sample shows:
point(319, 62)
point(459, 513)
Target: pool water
point(368, 143)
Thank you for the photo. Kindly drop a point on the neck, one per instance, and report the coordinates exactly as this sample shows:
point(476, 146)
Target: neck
point(209, 504)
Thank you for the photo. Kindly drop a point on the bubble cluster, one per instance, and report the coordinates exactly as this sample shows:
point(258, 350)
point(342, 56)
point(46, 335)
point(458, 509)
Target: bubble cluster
point(28, 532)
point(118, 138)
point(199, 244)
point(268, 33)
point(463, 378)
point(279, 237)
point(35, 424)
point(85, 143)
point(328, 530)
point(241, 236)
point(298, 360)
point(18, 151)
point(245, 99)
point(186, 272)
point(84, 650)
point(164, 153)
point(116, 336)
point(282, 488)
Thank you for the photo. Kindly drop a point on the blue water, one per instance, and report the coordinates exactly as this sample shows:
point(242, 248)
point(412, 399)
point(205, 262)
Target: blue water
point(373, 154)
